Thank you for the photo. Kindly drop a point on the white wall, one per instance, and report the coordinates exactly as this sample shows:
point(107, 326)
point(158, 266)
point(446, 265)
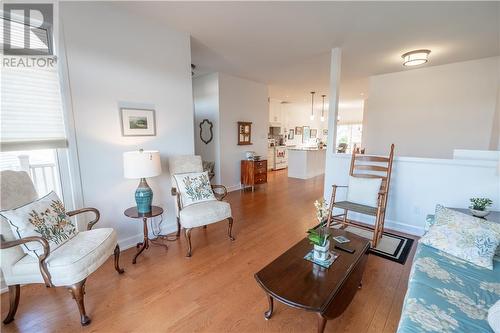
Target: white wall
point(298, 115)
point(206, 105)
point(430, 111)
point(418, 184)
point(240, 100)
point(114, 60)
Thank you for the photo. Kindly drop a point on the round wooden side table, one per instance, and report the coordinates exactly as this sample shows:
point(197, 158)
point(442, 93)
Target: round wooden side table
point(133, 213)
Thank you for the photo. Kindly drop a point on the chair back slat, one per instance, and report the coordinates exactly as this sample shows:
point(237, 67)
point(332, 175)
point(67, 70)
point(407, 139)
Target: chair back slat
point(371, 167)
point(367, 175)
point(371, 158)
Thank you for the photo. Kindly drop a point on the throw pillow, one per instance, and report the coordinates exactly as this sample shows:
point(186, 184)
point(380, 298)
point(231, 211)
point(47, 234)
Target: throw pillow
point(194, 187)
point(364, 191)
point(467, 239)
point(444, 215)
point(45, 217)
point(494, 317)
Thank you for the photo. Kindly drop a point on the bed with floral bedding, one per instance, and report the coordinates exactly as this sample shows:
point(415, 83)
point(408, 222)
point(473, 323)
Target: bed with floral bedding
point(448, 294)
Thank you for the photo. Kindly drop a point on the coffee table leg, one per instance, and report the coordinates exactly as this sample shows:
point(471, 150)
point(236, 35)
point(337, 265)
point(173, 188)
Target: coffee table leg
point(321, 323)
point(269, 312)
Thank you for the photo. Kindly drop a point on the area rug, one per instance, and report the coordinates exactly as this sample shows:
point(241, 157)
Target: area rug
point(391, 246)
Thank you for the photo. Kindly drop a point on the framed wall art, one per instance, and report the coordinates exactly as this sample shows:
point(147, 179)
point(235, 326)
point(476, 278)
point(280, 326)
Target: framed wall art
point(244, 133)
point(291, 134)
point(298, 130)
point(306, 134)
point(138, 122)
point(314, 133)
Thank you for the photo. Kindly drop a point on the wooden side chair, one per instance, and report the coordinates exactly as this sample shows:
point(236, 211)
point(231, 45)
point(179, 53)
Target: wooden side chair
point(365, 167)
point(67, 266)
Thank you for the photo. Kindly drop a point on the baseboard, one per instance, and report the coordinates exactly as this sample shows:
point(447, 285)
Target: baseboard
point(234, 188)
point(390, 224)
point(129, 242)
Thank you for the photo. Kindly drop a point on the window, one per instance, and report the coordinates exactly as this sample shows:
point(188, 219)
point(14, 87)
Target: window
point(31, 114)
point(349, 135)
point(41, 165)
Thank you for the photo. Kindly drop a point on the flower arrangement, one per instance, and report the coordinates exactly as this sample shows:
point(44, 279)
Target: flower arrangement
point(480, 203)
point(321, 210)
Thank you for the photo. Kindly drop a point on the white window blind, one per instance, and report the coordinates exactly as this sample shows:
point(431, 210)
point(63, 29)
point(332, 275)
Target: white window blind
point(31, 114)
point(31, 109)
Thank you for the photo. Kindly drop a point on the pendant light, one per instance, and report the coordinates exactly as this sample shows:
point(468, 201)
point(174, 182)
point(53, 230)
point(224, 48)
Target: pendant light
point(312, 104)
point(323, 109)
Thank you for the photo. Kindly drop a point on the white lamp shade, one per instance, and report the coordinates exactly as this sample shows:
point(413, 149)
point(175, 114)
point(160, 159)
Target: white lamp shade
point(141, 164)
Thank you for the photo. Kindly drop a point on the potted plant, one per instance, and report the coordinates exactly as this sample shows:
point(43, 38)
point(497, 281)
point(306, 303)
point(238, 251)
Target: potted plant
point(320, 239)
point(479, 206)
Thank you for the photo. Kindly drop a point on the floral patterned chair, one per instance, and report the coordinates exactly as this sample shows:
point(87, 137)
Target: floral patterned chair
point(199, 214)
point(68, 266)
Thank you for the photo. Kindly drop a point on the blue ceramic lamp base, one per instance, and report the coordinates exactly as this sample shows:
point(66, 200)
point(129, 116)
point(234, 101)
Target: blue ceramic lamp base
point(143, 197)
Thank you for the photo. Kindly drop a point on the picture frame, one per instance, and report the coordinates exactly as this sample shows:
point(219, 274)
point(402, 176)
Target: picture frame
point(291, 134)
point(138, 122)
point(306, 134)
point(314, 133)
point(244, 133)
point(298, 130)
point(325, 131)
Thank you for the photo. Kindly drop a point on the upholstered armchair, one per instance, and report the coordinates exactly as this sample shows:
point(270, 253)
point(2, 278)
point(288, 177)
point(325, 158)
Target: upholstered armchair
point(199, 214)
point(67, 266)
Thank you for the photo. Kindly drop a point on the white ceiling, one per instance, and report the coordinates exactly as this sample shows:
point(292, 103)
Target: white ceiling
point(286, 44)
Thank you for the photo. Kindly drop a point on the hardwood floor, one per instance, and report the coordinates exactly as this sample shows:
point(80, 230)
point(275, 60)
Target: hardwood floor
point(214, 290)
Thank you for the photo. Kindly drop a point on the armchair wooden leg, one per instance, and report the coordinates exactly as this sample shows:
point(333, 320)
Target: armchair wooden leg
point(77, 290)
point(178, 227)
point(117, 260)
point(230, 229)
point(187, 233)
point(14, 295)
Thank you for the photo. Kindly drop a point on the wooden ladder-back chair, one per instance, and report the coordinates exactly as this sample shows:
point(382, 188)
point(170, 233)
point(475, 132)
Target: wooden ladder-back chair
point(365, 166)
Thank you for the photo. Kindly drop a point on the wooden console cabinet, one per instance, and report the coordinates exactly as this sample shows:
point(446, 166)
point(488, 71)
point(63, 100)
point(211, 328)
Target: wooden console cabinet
point(253, 173)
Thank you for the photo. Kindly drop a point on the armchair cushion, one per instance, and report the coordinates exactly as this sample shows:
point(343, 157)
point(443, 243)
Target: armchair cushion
point(71, 262)
point(364, 191)
point(204, 213)
point(45, 217)
point(194, 188)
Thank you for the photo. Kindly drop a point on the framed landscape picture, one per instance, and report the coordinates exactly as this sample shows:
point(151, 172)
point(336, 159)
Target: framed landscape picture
point(138, 122)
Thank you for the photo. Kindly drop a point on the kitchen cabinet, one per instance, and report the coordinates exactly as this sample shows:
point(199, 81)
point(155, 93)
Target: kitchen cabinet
point(277, 113)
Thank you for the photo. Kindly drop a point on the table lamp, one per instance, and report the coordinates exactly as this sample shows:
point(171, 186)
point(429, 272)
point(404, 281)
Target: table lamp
point(142, 164)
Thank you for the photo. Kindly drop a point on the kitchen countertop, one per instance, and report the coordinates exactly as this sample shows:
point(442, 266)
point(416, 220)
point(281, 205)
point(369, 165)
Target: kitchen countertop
point(306, 149)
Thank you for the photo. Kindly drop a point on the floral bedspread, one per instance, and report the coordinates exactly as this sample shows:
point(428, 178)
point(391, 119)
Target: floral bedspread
point(447, 294)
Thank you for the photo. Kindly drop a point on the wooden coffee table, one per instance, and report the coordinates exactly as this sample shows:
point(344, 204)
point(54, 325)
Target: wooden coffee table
point(302, 284)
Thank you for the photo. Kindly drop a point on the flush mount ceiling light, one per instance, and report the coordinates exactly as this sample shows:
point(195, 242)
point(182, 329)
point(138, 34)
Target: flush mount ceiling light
point(312, 104)
point(323, 109)
point(415, 58)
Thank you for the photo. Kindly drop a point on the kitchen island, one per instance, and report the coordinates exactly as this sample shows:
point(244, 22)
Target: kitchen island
point(305, 163)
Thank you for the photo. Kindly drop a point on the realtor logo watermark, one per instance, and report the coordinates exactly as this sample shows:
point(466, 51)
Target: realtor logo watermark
point(28, 35)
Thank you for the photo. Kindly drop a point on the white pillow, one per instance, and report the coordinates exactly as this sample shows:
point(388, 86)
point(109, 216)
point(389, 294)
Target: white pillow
point(45, 217)
point(194, 188)
point(462, 236)
point(364, 191)
point(494, 317)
